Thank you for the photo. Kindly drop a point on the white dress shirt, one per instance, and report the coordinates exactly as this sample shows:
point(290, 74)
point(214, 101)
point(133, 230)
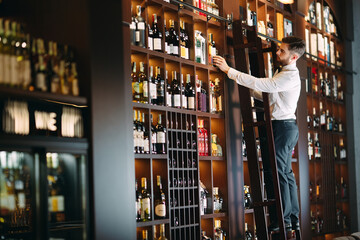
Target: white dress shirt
point(283, 88)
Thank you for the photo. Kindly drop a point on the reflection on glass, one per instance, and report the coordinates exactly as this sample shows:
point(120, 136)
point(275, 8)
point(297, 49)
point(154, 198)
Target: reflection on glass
point(15, 193)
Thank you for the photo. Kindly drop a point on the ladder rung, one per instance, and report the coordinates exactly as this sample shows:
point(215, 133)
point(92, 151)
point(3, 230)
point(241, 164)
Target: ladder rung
point(254, 124)
point(264, 203)
point(258, 109)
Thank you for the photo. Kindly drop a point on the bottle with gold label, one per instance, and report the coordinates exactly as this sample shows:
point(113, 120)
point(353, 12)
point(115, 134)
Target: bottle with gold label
point(145, 201)
point(160, 201)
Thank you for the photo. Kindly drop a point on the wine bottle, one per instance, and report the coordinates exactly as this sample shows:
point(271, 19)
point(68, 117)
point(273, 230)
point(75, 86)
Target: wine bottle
point(140, 129)
point(135, 84)
point(218, 96)
point(162, 232)
point(153, 87)
point(190, 93)
point(160, 200)
point(168, 91)
point(143, 85)
point(150, 38)
point(183, 96)
point(160, 137)
point(176, 91)
point(145, 201)
point(132, 29)
point(138, 202)
point(167, 39)
point(174, 40)
point(135, 133)
point(145, 235)
point(145, 135)
point(140, 28)
point(157, 35)
point(160, 88)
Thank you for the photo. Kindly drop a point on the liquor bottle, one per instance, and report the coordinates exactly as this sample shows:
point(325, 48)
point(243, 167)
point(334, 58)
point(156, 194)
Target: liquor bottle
point(342, 149)
point(140, 28)
point(40, 81)
point(154, 232)
point(247, 197)
point(211, 49)
point(183, 96)
point(212, 105)
point(189, 93)
point(162, 232)
point(310, 146)
point(167, 39)
point(340, 126)
point(133, 29)
point(318, 190)
point(138, 202)
point(218, 96)
point(160, 88)
point(322, 117)
point(160, 137)
point(145, 201)
point(153, 87)
point(309, 120)
point(328, 85)
point(343, 188)
point(219, 233)
point(145, 235)
point(135, 131)
point(248, 235)
point(322, 85)
point(200, 48)
point(150, 38)
point(206, 140)
point(157, 35)
point(317, 147)
point(176, 91)
point(146, 135)
point(184, 41)
point(316, 122)
point(314, 81)
point(140, 129)
point(218, 201)
point(143, 85)
point(201, 142)
point(56, 188)
point(270, 26)
point(160, 200)
point(329, 121)
point(174, 39)
point(335, 89)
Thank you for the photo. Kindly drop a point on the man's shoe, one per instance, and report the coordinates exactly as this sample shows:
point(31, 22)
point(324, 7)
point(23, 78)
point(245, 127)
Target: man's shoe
point(274, 227)
point(295, 226)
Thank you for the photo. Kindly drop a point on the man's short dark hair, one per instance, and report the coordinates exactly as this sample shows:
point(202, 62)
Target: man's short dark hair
point(296, 45)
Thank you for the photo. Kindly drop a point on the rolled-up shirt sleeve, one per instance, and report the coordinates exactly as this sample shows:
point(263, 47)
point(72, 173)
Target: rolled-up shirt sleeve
point(280, 82)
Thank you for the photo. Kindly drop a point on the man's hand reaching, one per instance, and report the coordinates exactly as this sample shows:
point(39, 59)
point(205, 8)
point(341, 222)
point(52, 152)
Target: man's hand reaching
point(221, 64)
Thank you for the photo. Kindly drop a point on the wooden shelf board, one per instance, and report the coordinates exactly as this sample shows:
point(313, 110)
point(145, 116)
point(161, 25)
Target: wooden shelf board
point(154, 222)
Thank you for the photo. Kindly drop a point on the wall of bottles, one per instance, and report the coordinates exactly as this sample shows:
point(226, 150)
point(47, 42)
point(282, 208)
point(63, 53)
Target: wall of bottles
point(32, 64)
point(326, 118)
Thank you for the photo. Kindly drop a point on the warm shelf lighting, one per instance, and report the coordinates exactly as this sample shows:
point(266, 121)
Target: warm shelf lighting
point(286, 1)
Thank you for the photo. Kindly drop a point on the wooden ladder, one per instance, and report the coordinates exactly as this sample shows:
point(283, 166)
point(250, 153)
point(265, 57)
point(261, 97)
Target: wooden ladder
point(263, 125)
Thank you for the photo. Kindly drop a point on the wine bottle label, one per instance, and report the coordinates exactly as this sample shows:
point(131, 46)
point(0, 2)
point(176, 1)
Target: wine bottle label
point(184, 101)
point(137, 36)
point(14, 70)
point(177, 100)
point(8, 202)
point(136, 138)
point(160, 137)
point(133, 25)
point(171, 49)
point(150, 43)
point(160, 210)
point(6, 68)
point(153, 137)
point(21, 200)
point(146, 145)
point(191, 102)
point(145, 89)
point(141, 26)
point(141, 139)
point(183, 52)
point(19, 185)
point(219, 104)
point(136, 87)
point(57, 203)
point(145, 207)
point(168, 100)
point(175, 50)
point(1, 68)
point(322, 119)
point(187, 53)
point(138, 207)
point(153, 91)
point(41, 81)
point(157, 44)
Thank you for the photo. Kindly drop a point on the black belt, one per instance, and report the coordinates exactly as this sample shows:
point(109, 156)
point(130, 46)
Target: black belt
point(285, 120)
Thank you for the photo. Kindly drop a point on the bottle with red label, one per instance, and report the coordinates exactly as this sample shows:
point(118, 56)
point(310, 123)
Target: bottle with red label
point(201, 137)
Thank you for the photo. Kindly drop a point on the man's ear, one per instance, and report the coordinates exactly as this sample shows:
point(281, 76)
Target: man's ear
point(295, 57)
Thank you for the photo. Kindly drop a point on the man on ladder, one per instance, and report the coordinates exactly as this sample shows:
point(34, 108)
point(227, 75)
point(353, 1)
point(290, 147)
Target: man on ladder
point(284, 90)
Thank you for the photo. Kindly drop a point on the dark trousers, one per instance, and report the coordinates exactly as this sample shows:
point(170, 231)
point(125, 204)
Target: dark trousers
point(286, 134)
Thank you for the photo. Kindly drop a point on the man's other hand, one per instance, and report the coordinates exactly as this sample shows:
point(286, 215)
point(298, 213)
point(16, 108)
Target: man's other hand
point(221, 64)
